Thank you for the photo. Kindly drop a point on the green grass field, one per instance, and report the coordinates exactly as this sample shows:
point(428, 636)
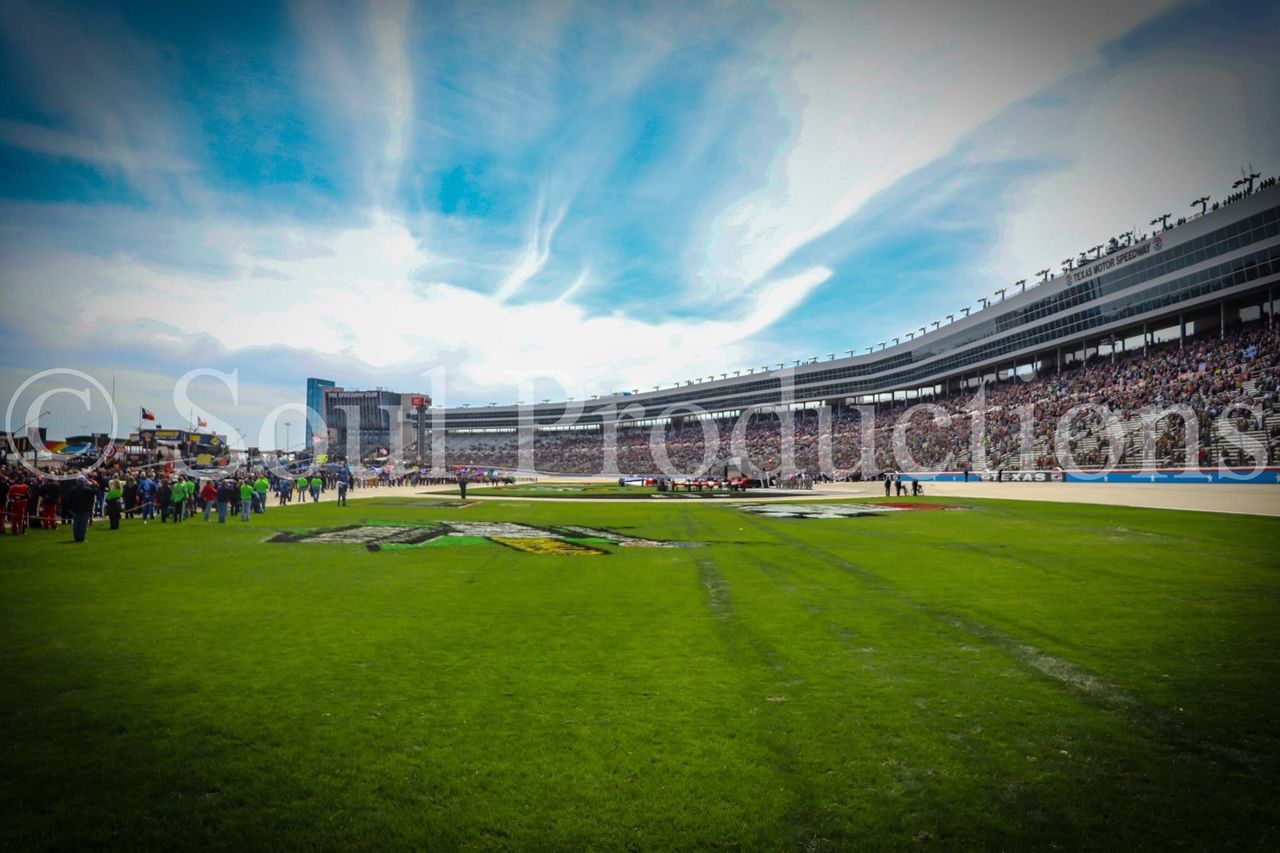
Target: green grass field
point(1012, 676)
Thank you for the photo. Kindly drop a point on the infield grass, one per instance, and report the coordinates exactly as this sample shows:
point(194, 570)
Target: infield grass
point(1009, 676)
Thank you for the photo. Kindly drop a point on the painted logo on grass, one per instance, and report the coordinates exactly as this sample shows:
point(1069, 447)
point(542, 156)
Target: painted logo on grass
point(419, 503)
point(817, 510)
point(560, 541)
point(780, 510)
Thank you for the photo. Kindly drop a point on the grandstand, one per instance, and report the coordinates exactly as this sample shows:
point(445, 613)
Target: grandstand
point(1183, 316)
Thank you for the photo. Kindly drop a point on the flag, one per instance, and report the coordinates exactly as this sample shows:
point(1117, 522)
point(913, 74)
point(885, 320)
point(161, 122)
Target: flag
point(317, 439)
point(201, 422)
point(147, 415)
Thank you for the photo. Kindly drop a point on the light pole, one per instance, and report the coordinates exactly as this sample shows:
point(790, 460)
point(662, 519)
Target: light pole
point(1246, 181)
point(286, 438)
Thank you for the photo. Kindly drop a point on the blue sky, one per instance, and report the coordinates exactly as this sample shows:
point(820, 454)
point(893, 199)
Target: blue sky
point(604, 195)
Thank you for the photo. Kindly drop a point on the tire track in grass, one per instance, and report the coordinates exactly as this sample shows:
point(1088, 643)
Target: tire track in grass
point(1151, 720)
point(719, 601)
point(887, 698)
point(1157, 723)
point(763, 692)
point(763, 682)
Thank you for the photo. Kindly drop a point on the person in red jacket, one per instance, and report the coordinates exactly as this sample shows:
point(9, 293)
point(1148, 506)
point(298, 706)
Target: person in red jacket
point(208, 495)
point(19, 494)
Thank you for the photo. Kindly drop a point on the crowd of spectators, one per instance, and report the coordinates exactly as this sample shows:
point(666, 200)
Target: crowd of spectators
point(45, 499)
point(1019, 421)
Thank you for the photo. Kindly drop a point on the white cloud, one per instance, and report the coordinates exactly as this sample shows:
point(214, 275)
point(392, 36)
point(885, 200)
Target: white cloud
point(349, 292)
point(364, 80)
point(577, 285)
point(102, 88)
point(535, 254)
point(1150, 139)
point(60, 144)
point(875, 91)
point(389, 28)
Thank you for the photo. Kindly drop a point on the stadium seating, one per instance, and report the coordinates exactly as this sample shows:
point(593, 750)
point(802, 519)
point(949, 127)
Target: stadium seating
point(1207, 374)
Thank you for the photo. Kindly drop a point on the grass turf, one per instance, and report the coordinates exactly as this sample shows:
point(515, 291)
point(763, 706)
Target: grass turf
point(1012, 676)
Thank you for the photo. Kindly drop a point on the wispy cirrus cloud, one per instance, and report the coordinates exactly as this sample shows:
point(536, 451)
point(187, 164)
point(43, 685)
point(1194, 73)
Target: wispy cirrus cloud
point(876, 91)
point(60, 144)
point(535, 255)
point(92, 90)
point(358, 56)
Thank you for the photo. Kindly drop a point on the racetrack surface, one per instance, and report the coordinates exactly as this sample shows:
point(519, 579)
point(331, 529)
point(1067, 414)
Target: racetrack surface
point(1260, 499)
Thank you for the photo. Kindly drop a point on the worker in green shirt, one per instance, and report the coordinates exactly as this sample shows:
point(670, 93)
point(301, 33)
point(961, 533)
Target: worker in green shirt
point(262, 486)
point(303, 485)
point(114, 493)
point(178, 498)
point(246, 500)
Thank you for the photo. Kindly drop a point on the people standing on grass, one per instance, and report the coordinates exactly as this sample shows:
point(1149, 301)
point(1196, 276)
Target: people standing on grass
point(262, 486)
point(79, 502)
point(115, 491)
point(16, 503)
point(147, 491)
point(225, 495)
point(65, 487)
point(178, 498)
point(50, 494)
point(164, 491)
point(130, 494)
point(208, 496)
point(41, 499)
point(100, 484)
point(344, 480)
